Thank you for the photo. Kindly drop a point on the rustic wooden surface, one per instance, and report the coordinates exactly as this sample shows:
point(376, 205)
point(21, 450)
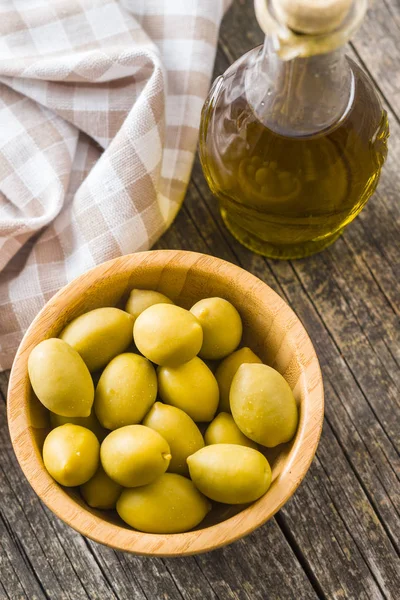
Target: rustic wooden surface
point(339, 536)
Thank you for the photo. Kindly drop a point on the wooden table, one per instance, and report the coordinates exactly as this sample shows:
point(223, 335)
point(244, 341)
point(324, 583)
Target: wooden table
point(339, 536)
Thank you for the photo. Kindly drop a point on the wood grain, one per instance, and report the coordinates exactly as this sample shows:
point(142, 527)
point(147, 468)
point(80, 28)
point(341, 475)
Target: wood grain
point(338, 537)
point(270, 328)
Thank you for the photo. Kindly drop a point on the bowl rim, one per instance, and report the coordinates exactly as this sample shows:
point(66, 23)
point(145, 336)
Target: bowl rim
point(182, 544)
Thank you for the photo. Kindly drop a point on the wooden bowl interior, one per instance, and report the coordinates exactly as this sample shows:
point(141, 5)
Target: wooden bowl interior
point(271, 330)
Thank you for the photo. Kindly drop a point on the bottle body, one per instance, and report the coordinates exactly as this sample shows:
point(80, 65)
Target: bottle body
point(291, 171)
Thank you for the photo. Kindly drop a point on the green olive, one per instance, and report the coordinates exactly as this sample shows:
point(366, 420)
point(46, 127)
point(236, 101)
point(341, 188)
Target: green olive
point(171, 504)
point(180, 431)
point(222, 327)
point(223, 430)
point(71, 454)
point(134, 455)
point(126, 390)
point(101, 491)
point(167, 334)
point(263, 405)
point(191, 387)
point(139, 300)
point(229, 473)
point(60, 379)
point(91, 422)
point(226, 371)
point(99, 335)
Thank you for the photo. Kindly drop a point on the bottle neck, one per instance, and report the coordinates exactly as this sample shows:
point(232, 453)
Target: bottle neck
point(301, 96)
point(300, 41)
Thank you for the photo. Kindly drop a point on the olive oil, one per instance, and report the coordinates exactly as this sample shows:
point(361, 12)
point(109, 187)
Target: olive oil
point(286, 195)
point(293, 135)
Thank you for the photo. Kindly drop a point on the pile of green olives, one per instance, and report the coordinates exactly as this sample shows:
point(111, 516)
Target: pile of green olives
point(125, 410)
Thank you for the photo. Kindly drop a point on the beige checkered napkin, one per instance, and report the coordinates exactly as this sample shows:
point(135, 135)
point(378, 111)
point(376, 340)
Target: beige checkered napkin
point(99, 110)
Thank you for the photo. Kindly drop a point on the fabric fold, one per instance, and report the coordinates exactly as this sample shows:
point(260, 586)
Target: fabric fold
point(99, 112)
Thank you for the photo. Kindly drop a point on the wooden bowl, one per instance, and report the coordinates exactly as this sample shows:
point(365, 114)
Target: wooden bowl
point(271, 329)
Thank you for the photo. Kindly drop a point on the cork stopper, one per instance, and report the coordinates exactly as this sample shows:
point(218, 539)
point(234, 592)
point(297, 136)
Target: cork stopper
point(313, 17)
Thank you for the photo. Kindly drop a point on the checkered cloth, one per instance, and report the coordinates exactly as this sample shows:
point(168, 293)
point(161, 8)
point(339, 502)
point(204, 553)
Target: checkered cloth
point(100, 105)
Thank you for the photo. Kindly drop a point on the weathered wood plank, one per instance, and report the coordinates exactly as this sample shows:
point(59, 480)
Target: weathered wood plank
point(374, 253)
point(374, 236)
point(318, 276)
point(259, 565)
point(378, 45)
point(3, 593)
point(353, 523)
point(16, 578)
point(123, 582)
point(186, 577)
point(152, 575)
point(42, 544)
point(371, 308)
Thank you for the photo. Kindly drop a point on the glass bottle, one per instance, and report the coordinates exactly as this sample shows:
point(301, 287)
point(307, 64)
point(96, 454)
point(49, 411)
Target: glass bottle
point(293, 135)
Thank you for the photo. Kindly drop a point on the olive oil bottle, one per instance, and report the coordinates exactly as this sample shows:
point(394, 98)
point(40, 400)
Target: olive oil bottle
point(293, 135)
